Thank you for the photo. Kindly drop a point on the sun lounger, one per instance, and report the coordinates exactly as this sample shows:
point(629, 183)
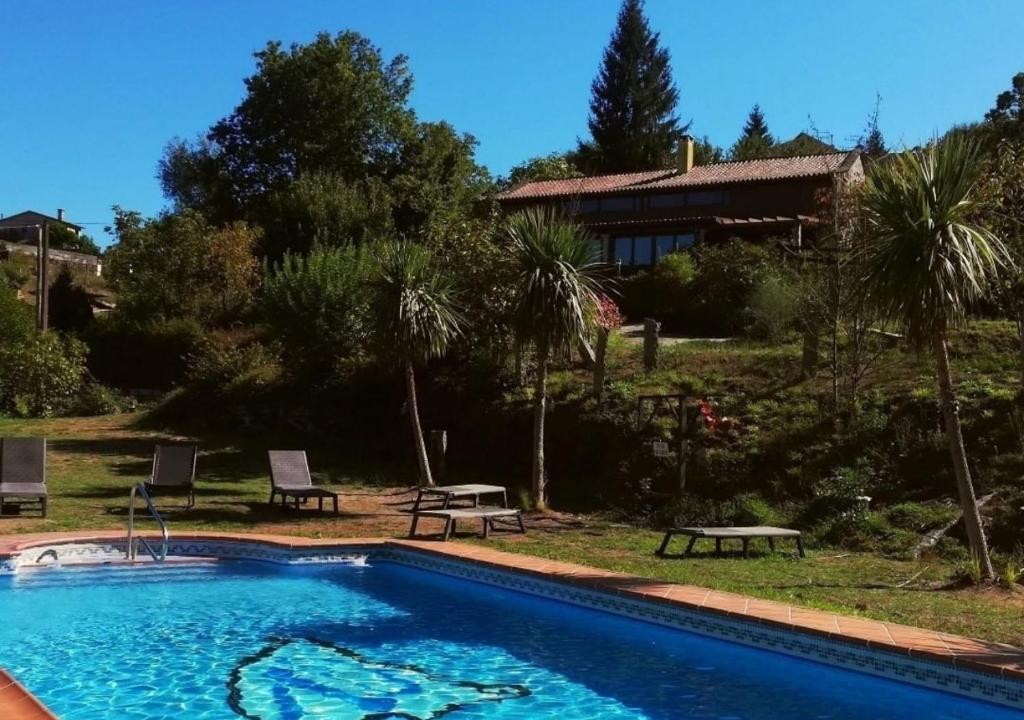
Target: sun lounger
point(289, 477)
point(483, 512)
point(23, 472)
point(743, 534)
point(174, 468)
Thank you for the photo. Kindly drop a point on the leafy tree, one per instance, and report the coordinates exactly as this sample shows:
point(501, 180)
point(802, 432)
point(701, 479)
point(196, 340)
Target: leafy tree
point(633, 100)
point(416, 318)
point(872, 143)
point(334, 116)
point(1010, 103)
point(926, 263)
point(62, 238)
point(16, 317)
point(756, 141)
point(706, 152)
point(70, 306)
point(316, 305)
point(178, 265)
point(42, 375)
point(555, 286)
point(556, 166)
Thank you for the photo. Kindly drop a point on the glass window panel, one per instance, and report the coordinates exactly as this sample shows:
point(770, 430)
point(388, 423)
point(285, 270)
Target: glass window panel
point(685, 240)
point(597, 250)
point(663, 245)
point(710, 197)
point(588, 205)
point(666, 201)
point(642, 250)
point(624, 250)
point(616, 204)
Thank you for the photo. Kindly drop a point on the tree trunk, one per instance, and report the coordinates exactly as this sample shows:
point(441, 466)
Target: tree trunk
point(540, 396)
point(599, 366)
point(955, 438)
point(651, 328)
point(417, 430)
point(1020, 337)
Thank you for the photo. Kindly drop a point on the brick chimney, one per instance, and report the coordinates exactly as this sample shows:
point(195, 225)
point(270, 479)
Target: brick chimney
point(685, 155)
point(60, 214)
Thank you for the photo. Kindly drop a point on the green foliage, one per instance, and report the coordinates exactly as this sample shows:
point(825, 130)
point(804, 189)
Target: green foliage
point(920, 517)
point(662, 292)
point(633, 118)
point(220, 363)
point(1010, 103)
point(63, 238)
point(13, 275)
point(96, 399)
point(16, 318)
point(727, 274)
point(416, 315)
point(773, 308)
point(755, 141)
point(751, 509)
point(41, 375)
point(801, 144)
point(927, 262)
point(70, 306)
point(144, 355)
point(178, 266)
point(556, 166)
point(316, 305)
point(556, 281)
point(334, 116)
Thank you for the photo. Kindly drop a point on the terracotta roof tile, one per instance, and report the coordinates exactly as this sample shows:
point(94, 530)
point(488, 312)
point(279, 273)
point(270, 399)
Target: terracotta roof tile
point(700, 175)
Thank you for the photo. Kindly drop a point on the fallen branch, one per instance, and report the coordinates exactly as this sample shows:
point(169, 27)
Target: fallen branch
point(931, 538)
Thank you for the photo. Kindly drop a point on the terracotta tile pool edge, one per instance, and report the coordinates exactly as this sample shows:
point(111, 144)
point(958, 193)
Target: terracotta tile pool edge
point(976, 655)
point(17, 703)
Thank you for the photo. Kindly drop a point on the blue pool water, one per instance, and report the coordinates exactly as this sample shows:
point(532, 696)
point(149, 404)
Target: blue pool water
point(231, 639)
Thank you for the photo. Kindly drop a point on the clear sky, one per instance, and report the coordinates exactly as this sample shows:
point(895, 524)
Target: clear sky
point(91, 91)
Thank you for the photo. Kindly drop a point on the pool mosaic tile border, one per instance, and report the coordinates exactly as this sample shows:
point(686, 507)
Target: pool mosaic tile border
point(974, 668)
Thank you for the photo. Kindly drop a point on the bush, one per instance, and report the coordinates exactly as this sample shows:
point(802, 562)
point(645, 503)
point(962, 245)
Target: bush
point(16, 321)
point(42, 375)
point(661, 292)
point(316, 305)
point(751, 509)
point(772, 308)
point(145, 356)
point(13, 275)
point(920, 517)
point(96, 399)
point(726, 275)
point(220, 363)
point(70, 307)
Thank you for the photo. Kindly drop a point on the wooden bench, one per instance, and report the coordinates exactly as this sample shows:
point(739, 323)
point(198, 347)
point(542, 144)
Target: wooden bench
point(744, 534)
point(452, 515)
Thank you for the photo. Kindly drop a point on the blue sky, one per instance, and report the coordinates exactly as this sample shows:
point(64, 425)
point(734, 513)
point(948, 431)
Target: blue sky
point(93, 90)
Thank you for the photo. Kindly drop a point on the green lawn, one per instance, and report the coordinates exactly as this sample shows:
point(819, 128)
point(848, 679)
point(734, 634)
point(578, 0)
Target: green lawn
point(93, 461)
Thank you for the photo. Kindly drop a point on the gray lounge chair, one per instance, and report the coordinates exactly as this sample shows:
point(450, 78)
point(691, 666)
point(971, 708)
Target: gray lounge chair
point(23, 471)
point(174, 468)
point(289, 477)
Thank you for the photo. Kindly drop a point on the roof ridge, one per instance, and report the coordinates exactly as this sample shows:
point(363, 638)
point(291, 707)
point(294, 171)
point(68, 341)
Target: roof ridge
point(776, 157)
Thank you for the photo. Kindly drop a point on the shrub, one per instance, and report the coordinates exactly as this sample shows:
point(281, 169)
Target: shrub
point(316, 305)
point(222, 364)
point(920, 517)
point(661, 292)
point(151, 355)
point(772, 308)
point(726, 274)
point(750, 509)
point(16, 321)
point(96, 399)
point(42, 375)
point(70, 308)
point(13, 275)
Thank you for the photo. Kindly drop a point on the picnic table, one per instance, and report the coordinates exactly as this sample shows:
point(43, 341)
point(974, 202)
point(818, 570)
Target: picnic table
point(447, 493)
point(744, 534)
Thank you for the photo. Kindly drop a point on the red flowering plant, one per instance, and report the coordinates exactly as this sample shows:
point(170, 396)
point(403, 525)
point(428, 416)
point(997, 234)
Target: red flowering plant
point(608, 315)
point(713, 424)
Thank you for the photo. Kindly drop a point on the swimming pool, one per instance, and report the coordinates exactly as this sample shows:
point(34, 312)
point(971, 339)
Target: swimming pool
point(256, 640)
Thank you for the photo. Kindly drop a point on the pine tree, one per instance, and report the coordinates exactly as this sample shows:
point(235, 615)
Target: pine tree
point(756, 140)
point(633, 100)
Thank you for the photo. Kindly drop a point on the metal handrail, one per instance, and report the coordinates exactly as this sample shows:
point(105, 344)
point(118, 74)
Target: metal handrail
point(133, 543)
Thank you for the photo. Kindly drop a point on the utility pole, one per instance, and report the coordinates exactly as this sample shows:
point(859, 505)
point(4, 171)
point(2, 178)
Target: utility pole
point(42, 277)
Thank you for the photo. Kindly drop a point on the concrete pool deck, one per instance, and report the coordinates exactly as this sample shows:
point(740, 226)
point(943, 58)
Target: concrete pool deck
point(977, 655)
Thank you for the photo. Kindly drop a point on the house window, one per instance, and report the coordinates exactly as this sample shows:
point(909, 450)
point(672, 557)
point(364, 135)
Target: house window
point(589, 205)
point(642, 251)
point(710, 197)
point(656, 202)
point(624, 250)
point(663, 245)
point(685, 240)
point(617, 204)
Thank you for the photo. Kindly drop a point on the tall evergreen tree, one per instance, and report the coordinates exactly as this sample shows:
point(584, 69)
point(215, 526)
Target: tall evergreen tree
point(633, 118)
point(756, 140)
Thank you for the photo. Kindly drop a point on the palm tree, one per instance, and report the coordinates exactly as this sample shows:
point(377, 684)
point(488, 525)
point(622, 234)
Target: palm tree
point(416, 317)
point(926, 263)
point(556, 283)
